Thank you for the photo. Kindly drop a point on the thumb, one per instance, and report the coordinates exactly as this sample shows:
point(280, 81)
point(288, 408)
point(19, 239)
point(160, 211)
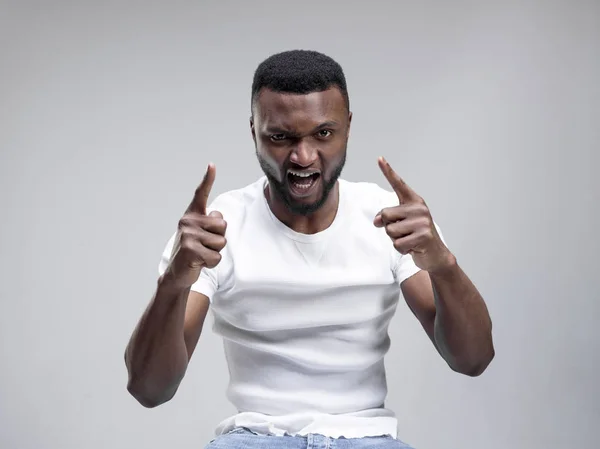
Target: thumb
point(215, 214)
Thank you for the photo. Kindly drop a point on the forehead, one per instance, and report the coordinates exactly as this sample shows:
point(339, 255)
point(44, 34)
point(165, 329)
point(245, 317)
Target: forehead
point(292, 111)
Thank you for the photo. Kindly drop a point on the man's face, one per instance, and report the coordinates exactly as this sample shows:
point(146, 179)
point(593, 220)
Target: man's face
point(301, 144)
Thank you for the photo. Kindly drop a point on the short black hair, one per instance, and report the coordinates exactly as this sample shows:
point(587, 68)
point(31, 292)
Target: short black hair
point(299, 72)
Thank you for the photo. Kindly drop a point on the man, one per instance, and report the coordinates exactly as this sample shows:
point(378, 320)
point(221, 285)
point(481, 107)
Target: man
point(303, 272)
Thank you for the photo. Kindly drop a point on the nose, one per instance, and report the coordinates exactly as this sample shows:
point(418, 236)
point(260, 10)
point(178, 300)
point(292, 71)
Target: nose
point(303, 154)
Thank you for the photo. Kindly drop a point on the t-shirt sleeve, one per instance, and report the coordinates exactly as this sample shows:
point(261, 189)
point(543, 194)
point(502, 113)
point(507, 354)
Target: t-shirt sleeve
point(208, 281)
point(404, 265)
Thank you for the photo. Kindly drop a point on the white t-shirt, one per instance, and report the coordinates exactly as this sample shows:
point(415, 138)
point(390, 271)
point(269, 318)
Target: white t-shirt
point(304, 318)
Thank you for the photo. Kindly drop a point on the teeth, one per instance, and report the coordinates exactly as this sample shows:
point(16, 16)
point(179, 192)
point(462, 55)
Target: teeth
point(302, 174)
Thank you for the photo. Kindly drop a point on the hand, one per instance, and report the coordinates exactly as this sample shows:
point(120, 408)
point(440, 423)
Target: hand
point(411, 227)
point(200, 237)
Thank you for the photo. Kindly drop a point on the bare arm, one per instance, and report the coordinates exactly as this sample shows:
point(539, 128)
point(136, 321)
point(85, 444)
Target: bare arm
point(443, 298)
point(163, 342)
point(454, 316)
point(164, 339)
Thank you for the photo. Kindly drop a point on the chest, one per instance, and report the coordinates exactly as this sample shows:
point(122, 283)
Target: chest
point(272, 282)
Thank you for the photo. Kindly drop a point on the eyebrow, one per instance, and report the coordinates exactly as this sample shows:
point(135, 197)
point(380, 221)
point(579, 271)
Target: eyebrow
point(278, 130)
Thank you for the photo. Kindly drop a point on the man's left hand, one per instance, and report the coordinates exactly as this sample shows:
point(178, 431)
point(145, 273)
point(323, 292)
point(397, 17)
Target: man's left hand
point(411, 227)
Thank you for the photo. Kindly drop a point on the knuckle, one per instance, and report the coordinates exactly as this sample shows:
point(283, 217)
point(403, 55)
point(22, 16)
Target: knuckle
point(421, 208)
point(187, 246)
point(189, 220)
point(390, 229)
point(399, 247)
point(183, 223)
point(188, 235)
point(427, 234)
point(185, 242)
point(424, 223)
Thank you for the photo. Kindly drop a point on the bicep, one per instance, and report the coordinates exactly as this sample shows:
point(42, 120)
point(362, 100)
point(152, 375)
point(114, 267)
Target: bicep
point(195, 314)
point(419, 296)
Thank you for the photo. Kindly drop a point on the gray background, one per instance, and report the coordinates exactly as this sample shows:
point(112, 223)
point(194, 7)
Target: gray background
point(110, 111)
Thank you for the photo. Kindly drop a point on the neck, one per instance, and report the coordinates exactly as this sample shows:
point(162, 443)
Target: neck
point(306, 224)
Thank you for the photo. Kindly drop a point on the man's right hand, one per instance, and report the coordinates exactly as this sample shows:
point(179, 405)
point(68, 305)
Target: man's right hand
point(200, 237)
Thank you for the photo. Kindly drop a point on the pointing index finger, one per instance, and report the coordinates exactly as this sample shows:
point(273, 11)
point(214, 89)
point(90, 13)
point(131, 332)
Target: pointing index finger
point(202, 193)
point(404, 192)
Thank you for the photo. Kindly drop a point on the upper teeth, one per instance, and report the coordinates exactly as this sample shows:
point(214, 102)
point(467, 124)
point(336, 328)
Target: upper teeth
point(301, 174)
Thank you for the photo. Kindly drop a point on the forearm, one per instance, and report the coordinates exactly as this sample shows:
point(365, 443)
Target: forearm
point(156, 356)
point(463, 328)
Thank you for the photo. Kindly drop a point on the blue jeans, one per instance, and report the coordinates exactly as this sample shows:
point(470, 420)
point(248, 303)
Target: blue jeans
point(243, 438)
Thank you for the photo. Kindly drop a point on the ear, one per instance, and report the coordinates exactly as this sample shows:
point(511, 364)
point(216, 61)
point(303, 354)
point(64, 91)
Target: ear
point(252, 129)
point(349, 122)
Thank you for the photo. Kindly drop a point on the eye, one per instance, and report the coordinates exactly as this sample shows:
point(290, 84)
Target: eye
point(324, 133)
point(277, 137)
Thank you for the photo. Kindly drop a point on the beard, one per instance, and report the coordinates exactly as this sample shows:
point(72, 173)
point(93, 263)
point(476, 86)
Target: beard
point(282, 192)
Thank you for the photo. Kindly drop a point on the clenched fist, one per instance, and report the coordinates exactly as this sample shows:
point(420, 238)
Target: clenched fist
point(410, 226)
point(200, 237)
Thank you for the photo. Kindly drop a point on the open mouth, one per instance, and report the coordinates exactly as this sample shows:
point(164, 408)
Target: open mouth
point(302, 183)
